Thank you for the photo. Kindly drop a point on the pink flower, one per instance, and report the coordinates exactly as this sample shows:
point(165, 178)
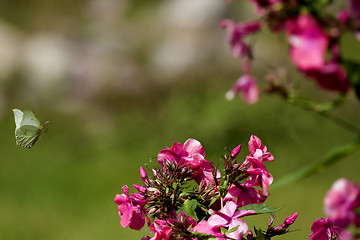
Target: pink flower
point(259, 176)
point(236, 32)
point(262, 5)
point(308, 43)
point(130, 210)
point(245, 195)
point(340, 203)
point(247, 86)
point(259, 151)
point(229, 217)
point(204, 227)
point(190, 154)
point(343, 16)
point(355, 9)
point(235, 151)
point(161, 229)
point(288, 221)
point(323, 230)
point(330, 76)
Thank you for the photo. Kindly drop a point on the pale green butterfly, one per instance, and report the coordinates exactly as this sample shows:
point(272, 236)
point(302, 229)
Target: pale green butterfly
point(28, 128)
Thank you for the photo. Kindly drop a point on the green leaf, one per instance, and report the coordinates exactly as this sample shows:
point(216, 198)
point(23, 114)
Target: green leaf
point(259, 234)
point(353, 73)
point(189, 207)
point(260, 208)
point(331, 158)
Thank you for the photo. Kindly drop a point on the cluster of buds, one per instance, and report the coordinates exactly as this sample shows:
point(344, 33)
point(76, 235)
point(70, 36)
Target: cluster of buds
point(187, 197)
point(314, 37)
point(341, 205)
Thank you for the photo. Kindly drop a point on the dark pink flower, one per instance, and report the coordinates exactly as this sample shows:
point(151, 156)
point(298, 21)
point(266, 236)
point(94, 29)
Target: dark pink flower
point(259, 151)
point(130, 210)
point(235, 151)
point(161, 229)
point(259, 176)
point(190, 154)
point(323, 230)
point(236, 33)
point(245, 195)
point(343, 16)
point(340, 203)
point(229, 217)
point(204, 227)
point(330, 76)
point(355, 9)
point(308, 42)
point(247, 86)
point(288, 221)
point(263, 5)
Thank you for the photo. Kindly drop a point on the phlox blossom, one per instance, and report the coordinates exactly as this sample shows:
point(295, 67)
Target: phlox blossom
point(245, 194)
point(340, 203)
point(236, 33)
point(355, 9)
point(246, 84)
point(230, 218)
point(308, 42)
point(130, 210)
point(161, 229)
point(323, 230)
point(192, 155)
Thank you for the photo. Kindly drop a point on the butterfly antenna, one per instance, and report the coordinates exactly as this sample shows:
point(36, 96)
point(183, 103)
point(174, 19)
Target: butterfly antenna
point(45, 123)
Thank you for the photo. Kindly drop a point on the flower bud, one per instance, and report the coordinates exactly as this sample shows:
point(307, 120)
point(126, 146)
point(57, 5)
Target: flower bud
point(235, 151)
point(143, 175)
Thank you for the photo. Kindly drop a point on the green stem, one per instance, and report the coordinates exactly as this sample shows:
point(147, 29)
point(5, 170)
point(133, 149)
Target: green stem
point(331, 158)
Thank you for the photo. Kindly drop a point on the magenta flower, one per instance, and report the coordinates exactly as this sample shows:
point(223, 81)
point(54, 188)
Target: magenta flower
point(340, 203)
point(204, 227)
point(230, 218)
point(161, 229)
point(258, 151)
point(330, 76)
point(235, 151)
point(355, 9)
point(308, 43)
point(259, 176)
point(236, 32)
point(245, 195)
point(130, 210)
point(190, 154)
point(288, 221)
point(323, 230)
point(247, 86)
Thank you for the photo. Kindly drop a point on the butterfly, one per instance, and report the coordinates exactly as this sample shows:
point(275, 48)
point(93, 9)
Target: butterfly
point(28, 128)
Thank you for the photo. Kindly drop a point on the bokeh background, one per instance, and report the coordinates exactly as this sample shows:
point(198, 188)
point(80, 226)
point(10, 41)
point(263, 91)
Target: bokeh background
point(119, 81)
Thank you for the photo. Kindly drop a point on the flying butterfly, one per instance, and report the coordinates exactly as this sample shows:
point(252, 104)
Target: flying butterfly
point(28, 128)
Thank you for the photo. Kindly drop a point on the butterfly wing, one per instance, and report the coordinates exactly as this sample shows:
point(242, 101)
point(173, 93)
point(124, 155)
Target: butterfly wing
point(27, 135)
point(18, 115)
point(30, 119)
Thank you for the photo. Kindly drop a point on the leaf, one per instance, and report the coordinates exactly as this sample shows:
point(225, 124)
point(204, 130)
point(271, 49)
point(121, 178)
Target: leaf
point(189, 207)
point(259, 234)
point(260, 208)
point(331, 158)
point(353, 74)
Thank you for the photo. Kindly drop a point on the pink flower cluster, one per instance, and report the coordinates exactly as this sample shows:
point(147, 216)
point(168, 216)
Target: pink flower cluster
point(215, 203)
point(313, 41)
point(341, 204)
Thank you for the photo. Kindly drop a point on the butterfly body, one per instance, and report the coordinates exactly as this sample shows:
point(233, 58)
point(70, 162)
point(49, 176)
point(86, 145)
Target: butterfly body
point(28, 128)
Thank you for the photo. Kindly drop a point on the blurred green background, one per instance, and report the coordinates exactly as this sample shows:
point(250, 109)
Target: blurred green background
point(119, 81)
